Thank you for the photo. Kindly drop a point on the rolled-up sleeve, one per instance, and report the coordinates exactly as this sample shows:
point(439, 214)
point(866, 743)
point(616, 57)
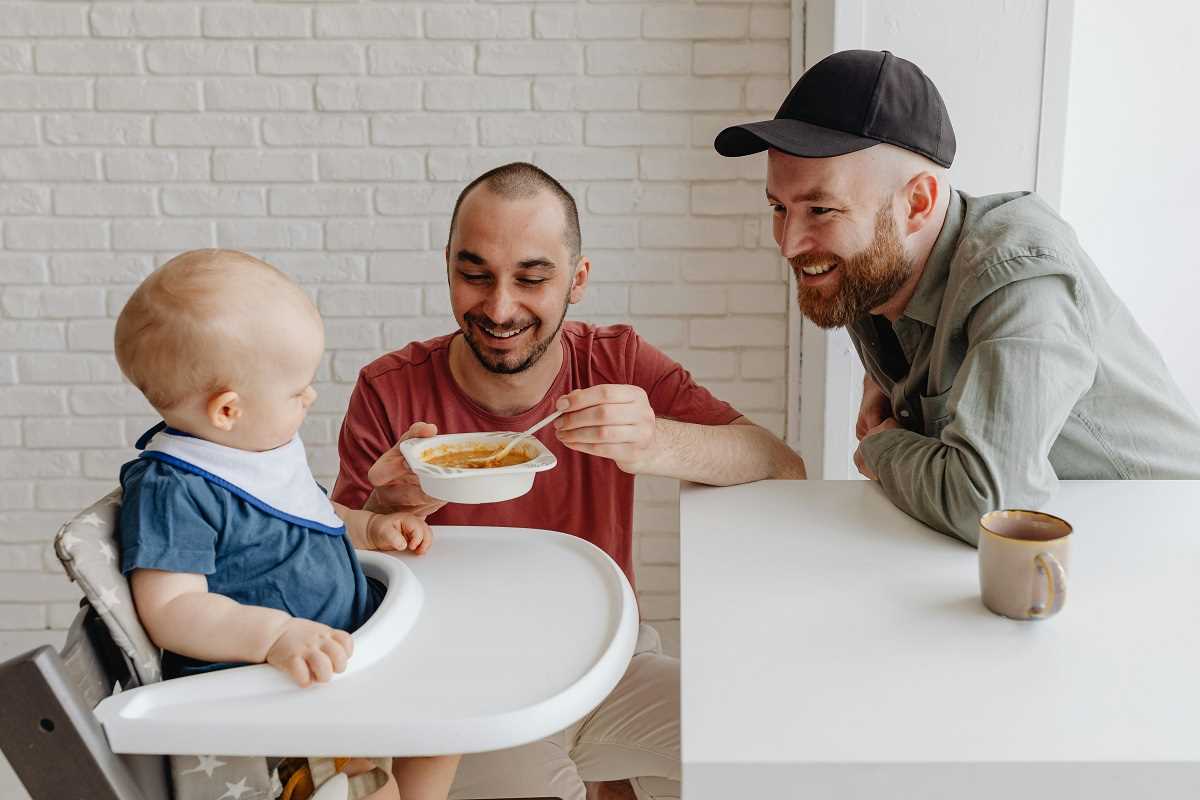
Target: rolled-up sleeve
point(1029, 359)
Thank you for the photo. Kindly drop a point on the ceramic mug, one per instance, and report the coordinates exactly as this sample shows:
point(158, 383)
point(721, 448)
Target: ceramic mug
point(1023, 563)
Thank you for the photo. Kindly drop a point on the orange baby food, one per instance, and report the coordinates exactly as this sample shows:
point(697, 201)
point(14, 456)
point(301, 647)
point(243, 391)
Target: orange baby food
point(472, 457)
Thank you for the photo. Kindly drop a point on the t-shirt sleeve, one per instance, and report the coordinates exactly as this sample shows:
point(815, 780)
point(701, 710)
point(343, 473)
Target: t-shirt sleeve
point(673, 392)
point(163, 527)
point(366, 435)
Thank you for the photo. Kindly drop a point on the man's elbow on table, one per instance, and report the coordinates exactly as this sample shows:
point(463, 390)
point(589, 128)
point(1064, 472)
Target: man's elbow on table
point(753, 453)
point(947, 487)
point(784, 463)
point(964, 505)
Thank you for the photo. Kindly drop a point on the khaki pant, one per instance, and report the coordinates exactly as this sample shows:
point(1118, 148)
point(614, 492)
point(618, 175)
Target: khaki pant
point(633, 733)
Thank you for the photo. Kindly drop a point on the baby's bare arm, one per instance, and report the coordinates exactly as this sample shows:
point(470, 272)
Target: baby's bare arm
point(358, 524)
point(182, 616)
point(369, 530)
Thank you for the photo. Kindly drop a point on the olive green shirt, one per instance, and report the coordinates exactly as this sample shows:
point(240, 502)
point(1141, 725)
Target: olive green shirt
point(1015, 365)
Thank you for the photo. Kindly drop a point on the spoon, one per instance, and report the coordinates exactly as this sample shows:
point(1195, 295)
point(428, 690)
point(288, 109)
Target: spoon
point(508, 447)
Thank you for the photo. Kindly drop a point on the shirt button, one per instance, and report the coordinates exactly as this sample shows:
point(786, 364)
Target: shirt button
point(904, 413)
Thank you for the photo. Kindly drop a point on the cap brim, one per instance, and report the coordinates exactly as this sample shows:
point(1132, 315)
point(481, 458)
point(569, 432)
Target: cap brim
point(792, 136)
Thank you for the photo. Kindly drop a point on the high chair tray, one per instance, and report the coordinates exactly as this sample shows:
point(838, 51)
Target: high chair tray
point(494, 638)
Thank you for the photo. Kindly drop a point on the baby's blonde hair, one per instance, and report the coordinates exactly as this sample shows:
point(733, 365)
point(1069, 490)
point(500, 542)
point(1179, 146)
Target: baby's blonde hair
point(179, 335)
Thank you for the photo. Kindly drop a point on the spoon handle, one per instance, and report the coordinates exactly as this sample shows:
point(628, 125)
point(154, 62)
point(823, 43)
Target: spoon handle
point(542, 424)
point(508, 447)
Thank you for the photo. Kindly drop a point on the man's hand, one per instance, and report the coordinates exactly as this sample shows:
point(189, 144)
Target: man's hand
point(309, 651)
point(861, 462)
point(874, 409)
point(398, 531)
point(396, 487)
point(613, 421)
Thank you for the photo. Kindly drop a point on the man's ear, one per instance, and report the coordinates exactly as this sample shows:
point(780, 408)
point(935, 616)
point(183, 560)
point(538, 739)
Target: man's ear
point(223, 410)
point(579, 280)
point(921, 195)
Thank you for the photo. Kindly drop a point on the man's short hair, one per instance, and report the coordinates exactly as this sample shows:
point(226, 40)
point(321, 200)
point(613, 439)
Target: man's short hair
point(521, 180)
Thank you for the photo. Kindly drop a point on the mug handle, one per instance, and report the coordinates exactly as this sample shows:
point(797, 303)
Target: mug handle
point(1056, 586)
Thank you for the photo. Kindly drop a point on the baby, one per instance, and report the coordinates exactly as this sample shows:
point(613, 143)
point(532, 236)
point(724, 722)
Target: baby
point(234, 553)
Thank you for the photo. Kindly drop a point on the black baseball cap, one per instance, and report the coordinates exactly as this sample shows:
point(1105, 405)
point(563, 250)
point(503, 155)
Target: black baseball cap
point(850, 101)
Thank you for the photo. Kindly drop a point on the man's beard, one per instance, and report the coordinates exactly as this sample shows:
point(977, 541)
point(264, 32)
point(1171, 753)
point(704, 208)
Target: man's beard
point(868, 278)
point(508, 363)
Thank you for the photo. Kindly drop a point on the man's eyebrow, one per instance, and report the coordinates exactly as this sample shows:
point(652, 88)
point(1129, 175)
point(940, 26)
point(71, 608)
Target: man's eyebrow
point(813, 196)
point(537, 263)
point(819, 196)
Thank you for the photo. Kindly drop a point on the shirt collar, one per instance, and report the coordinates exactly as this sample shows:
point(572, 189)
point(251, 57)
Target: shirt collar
point(926, 302)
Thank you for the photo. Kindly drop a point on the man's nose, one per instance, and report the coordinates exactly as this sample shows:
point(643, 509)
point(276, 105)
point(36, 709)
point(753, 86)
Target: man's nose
point(794, 239)
point(500, 305)
point(310, 396)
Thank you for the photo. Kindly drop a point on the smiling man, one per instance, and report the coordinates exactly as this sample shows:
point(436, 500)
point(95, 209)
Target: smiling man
point(515, 267)
point(997, 358)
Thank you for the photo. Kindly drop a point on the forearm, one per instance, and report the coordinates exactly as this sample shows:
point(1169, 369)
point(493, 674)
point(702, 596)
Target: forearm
point(212, 627)
point(946, 488)
point(720, 455)
point(358, 523)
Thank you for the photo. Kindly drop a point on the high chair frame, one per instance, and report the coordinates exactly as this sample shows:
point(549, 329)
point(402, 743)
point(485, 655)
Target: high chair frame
point(48, 732)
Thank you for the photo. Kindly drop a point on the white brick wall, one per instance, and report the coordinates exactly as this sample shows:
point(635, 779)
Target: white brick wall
point(332, 138)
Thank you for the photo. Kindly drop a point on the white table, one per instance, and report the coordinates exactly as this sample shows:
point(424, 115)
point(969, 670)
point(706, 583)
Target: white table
point(834, 648)
point(494, 638)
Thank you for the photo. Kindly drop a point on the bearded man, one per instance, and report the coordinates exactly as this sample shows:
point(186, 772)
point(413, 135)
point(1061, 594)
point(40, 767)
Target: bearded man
point(997, 359)
point(514, 266)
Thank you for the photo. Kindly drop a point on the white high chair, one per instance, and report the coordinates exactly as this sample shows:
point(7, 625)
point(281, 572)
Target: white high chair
point(494, 638)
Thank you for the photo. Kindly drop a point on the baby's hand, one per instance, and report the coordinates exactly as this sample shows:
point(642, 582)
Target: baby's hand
point(309, 651)
point(399, 531)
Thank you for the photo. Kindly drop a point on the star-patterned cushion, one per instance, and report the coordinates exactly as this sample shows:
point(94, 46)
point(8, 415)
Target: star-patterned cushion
point(87, 546)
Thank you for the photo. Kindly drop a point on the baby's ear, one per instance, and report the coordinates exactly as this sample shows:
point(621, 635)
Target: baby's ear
point(224, 410)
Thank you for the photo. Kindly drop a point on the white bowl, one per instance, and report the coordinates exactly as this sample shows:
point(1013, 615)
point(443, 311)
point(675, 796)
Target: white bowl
point(485, 485)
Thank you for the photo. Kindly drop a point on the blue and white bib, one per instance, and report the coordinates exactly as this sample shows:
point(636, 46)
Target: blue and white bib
point(277, 482)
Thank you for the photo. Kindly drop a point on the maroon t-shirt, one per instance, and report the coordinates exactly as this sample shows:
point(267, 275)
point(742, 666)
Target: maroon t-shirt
point(584, 495)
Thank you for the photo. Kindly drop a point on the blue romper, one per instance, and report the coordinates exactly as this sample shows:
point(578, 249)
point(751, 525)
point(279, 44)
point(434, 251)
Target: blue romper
point(178, 518)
